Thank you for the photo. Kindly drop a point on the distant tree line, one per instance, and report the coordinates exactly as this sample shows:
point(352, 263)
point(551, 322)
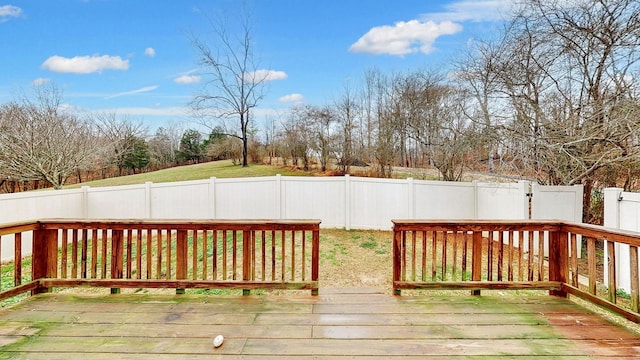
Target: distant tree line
point(43, 144)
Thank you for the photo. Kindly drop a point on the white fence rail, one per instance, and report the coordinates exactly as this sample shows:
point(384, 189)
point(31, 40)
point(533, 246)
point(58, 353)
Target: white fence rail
point(340, 202)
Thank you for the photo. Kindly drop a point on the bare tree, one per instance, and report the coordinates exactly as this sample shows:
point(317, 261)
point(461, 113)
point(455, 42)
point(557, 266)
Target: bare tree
point(346, 114)
point(122, 136)
point(296, 135)
point(163, 146)
point(40, 141)
point(564, 67)
point(233, 83)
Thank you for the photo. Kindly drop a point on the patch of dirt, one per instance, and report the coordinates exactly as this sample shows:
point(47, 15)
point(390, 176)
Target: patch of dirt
point(357, 258)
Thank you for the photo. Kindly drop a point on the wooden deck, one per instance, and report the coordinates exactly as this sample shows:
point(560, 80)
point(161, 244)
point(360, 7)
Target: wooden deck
point(337, 323)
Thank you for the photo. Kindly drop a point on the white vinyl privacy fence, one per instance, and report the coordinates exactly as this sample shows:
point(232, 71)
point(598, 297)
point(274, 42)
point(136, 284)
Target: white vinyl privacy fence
point(339, 202)
point(621, 211)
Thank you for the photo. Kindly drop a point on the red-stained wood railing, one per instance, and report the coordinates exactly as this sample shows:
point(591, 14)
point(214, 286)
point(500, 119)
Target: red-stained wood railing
point(16, 277)
point(118, 254)
point(511, 255)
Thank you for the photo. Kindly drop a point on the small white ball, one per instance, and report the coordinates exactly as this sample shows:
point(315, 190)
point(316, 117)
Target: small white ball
point(218, 340)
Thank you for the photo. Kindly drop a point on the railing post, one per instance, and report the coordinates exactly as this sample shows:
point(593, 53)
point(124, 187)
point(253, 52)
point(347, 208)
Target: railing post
point(117, 256)
point(476, 260)
point(246, 259)
point(45, 256)
point(397, 258)
point(315, 257)
point(558, 259)
point(182, 252)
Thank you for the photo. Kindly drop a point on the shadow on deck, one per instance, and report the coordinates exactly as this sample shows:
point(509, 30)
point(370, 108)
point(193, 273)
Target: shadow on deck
point(336, 323)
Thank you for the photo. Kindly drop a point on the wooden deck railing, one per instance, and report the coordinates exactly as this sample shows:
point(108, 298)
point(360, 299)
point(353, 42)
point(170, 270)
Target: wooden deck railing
point(165, 254)
point(508, 255)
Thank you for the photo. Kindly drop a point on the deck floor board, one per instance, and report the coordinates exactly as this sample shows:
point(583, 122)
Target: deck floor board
point(362, 323)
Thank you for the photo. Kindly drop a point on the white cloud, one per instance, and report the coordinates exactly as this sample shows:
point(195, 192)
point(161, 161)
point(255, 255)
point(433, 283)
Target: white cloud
point(404, 37)
point(151, 52)
point(132, 92)
point(187, 79)
point(291, 98)
point(9, 11)
point(40, 81)
point(265, 75)
point(85, 64)
point(473, 10)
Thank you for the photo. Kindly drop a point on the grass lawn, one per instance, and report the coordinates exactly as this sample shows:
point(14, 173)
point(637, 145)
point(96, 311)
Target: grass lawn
point(218, 169)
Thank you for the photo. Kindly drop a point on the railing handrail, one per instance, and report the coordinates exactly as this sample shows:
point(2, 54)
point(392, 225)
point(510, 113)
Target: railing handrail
point(477, 225)
point(21, 226)
point(598, 231)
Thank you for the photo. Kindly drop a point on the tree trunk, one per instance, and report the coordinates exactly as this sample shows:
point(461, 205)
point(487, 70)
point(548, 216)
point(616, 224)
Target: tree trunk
point(586, 200)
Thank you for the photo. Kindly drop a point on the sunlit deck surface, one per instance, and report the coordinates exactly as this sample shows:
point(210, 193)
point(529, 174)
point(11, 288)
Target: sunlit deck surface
point(337, 323)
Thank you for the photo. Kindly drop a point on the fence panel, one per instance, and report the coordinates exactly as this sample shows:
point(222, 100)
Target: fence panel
point(314, 198)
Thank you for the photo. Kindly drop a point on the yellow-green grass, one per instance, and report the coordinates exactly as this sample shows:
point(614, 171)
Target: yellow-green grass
point(218, 169)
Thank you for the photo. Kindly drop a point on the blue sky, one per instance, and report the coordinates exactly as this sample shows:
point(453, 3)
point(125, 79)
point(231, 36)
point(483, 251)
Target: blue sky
point(135, 58)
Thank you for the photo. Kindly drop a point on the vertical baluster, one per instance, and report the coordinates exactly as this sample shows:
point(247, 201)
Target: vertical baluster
point(17, 259)
point(403, 254)
point(169, 268)
point(224, 254)
point(65, 254)
point(293, 254)
point(214, 257)
point(128, 234)
point(540, 255)
point(434, 254)
point(84, 253)
point(443, 270)
point(633, 262)
point(282, 274)
point(234, 259)
point(574, 260)
point(205, 252)
point(273, 255)
point(510, 260)
point(520, 250)
point(158, 253)
point(490, 257)
point(500, 255)
point(74, 253)
point(194, 257)
point(94, 253)
point(149, 235)
point(424, 256)
point(463, 266)
point(454, 256)
point(304, 252)
point(611, 283)
point(530, 257)
point(591, 260)
point(253, 255)
point(413, 255)
point(139, 253)
point(104, 240)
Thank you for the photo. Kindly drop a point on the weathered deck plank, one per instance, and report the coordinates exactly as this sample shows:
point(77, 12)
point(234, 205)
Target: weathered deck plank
point(358, 323)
